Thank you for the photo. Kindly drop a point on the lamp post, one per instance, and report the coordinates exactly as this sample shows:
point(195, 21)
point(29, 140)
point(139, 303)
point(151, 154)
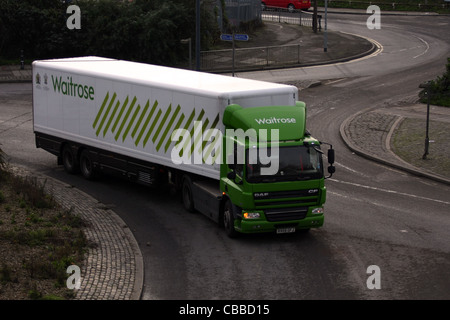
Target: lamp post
point(325, 35)
point(426, 85)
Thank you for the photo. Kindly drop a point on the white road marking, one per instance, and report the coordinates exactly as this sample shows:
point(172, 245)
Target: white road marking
point(390, 191)
point(426, 50)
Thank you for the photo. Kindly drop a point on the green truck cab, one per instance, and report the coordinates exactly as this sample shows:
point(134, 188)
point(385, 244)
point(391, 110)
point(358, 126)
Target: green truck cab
point(290, 194)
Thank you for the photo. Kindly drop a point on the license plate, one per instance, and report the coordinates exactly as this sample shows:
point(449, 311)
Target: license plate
point(286, 230)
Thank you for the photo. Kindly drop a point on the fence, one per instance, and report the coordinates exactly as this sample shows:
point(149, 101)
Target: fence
point(299, 17)
point(251, 58)
point(241, 11)
point(258, 58)
point(425, 5)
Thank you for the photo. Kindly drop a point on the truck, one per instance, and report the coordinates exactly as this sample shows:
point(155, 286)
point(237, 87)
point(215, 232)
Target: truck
point(236, 150)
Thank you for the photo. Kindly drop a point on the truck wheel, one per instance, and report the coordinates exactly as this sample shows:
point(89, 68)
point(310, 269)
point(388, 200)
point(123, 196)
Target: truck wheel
point(186, 193)
point(228, 219)
point(69, 160)
point(86, 165)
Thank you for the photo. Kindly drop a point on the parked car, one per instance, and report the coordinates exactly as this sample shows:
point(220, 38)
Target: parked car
point(291, 5)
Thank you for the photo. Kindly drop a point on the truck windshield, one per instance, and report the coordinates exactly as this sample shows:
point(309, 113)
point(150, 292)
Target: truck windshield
point(294, 163)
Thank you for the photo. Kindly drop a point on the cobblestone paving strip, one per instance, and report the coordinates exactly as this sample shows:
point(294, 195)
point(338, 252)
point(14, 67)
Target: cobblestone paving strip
point(113, 266)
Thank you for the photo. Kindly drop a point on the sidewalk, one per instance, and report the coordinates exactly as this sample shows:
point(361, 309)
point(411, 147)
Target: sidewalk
point(371, 134)
point(10, 74)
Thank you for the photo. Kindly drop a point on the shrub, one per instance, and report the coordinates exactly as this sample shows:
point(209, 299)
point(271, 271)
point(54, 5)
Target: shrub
point(439, 89)
point(2, 161)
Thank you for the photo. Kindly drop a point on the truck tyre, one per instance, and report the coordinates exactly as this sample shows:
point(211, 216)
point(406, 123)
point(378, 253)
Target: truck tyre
point(186, 194)
point(69, 160)
point(86, 165)
point(228, 219)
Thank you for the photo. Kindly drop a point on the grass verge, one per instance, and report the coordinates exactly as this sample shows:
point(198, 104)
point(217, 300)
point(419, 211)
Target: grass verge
point(409, 144)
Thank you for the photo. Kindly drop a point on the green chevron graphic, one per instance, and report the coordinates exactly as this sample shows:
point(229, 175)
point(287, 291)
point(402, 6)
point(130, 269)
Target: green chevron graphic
point(149, 125)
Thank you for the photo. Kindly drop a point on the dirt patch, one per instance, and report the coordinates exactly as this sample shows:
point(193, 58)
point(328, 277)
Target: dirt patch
point(38, 241)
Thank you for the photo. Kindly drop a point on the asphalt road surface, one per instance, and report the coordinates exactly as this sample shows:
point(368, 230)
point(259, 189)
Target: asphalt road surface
point(375, 215)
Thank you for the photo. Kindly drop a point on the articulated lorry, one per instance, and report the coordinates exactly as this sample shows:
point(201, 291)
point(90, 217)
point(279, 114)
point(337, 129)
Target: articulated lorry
point(237, 150)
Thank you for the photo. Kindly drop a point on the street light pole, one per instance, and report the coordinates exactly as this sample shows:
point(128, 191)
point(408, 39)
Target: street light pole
point(325, 35)
point(426, 85)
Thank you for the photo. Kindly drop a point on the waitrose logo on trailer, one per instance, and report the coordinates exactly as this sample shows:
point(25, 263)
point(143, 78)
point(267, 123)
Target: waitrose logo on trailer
point(69, 88)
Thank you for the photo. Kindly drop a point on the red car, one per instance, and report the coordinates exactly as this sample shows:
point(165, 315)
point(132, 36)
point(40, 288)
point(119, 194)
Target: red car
point(290, 4)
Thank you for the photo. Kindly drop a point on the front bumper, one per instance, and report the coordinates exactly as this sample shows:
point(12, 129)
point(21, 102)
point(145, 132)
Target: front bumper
point(262, 225)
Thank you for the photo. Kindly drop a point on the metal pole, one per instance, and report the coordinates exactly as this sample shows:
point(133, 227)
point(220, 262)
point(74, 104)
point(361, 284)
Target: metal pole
point(233, 53)
point(427, 139)
point(314, 18)
point(325, 35)
point(190, 54)
point(189, 42)
point(22, 63)
point(197, 35)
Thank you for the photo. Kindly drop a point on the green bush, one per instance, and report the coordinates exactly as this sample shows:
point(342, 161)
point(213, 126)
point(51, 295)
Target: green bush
point(439, 89)
point(2, 161)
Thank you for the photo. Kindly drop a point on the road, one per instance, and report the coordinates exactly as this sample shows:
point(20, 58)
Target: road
point(375, 215)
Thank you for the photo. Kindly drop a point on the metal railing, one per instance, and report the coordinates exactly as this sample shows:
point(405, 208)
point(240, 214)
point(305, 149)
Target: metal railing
point(256, 58)
point(390, 5)
point(298, 17)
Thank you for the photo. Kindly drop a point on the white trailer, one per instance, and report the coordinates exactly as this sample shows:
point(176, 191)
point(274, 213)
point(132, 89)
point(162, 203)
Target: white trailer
point(124, 113)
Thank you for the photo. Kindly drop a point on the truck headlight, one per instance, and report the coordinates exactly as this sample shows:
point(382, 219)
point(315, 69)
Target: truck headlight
point(317, 210)
point(251, 215)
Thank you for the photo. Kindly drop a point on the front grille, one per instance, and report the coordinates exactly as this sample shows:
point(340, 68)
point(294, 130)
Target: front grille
point(285, 214)
point(285, 194)
point(295, 198)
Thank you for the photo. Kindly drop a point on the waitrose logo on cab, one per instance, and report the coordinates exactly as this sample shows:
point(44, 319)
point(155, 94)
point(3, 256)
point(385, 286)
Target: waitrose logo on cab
point(274, 120)
point(69, 88)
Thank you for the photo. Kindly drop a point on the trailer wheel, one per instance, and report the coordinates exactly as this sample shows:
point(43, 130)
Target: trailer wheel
point(228, 219)
point(186, 193)
point(86, 165)
point(69, 160)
